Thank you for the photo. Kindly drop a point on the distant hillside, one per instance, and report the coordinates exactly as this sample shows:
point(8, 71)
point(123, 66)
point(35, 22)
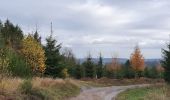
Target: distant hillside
point(148, 62)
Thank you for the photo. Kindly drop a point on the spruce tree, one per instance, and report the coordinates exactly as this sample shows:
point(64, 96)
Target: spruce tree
point(12, 35)
point(166, 63)
point(53, 61)
point(1, 38)
point(37, 37)
point(100, 67)
point(90, 68)
point(79, 71)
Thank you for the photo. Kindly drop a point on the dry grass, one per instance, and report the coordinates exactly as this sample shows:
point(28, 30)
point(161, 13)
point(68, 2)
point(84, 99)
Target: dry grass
point(42, 89)
point(46, 82)
point(10, 84)
point(118, 82)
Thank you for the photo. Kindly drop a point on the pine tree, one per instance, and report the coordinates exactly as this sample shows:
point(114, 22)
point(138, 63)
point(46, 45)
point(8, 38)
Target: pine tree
point(79, 71)
point(37, 37)
point(128, 71)
point(52, 53)
point(1, 37)
point(166, 63)
point(137, 62)
point(12, 35)
point(69, 60)
point(90, 68)
point(100, 67)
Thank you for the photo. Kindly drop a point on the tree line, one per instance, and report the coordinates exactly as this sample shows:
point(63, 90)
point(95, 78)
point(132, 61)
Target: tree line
point(25, 56)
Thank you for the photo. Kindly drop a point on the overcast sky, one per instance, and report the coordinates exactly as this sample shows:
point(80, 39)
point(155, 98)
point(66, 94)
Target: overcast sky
point(112, 27)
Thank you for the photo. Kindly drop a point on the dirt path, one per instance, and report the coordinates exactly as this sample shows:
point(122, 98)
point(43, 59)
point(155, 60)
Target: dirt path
point(103, 93)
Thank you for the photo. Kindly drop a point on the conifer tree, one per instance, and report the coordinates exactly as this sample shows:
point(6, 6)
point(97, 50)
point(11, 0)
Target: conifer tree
point(79, 71)
point(52, 53)
point(100, 67)
point(90, 68)
point(166, 63)
point(69, 60)
point(12, 35)
point(37, 37)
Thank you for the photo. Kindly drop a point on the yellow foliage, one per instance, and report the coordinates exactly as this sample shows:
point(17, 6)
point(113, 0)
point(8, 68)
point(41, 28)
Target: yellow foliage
point(34, 54)
point(137, 60)
point(65, 73)
point(4, 62)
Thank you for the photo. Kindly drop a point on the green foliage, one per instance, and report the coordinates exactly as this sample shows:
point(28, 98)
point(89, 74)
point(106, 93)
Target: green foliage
point(100, 67)
point(166, 63)
point(79, 71)
point(90, 68)
point(37, 37)
point(53, 62)
point(69, 61)
point(26, 86)
point(4, 64)
point(128, 71)
point(152, 73)
point(12, 35)
point(18, 65)
point(145, 93)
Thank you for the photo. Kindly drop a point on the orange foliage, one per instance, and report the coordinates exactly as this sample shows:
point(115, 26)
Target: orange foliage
point(137, 60)
point(159, 68)
point(114, 66)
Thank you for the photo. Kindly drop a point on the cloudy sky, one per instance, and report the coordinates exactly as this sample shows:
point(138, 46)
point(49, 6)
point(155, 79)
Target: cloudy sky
point(112, 27)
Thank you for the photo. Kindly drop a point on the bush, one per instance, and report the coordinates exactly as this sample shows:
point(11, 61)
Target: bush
point(26, 86)
point(64, 73)
point(17, 65)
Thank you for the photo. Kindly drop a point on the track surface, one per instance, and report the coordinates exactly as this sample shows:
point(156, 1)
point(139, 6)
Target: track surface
point(103, 93)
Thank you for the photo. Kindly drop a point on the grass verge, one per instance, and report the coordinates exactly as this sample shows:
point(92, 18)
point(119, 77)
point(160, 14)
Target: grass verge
point(157, 92)
point(38, 89)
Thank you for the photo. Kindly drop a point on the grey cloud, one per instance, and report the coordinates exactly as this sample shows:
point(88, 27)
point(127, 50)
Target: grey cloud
point(99, 25)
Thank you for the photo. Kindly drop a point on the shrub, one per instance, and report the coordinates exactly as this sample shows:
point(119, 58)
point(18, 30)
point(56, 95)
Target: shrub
point(26, 86)
point(64, 73)
point(17, 65)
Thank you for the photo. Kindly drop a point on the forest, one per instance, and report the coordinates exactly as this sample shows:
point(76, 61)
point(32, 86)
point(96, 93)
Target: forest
point(23, 56)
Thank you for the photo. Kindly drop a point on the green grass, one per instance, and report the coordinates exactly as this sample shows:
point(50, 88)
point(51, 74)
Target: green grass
point(146, 93)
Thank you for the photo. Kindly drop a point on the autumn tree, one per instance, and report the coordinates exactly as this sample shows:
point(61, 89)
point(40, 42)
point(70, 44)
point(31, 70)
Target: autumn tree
point(137, 62)
point(160, 70)
point(34, 54)
point(114, 68)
